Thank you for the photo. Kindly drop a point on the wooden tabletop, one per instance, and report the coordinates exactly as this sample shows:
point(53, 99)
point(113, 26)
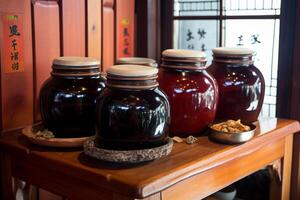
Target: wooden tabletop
point(149, 178)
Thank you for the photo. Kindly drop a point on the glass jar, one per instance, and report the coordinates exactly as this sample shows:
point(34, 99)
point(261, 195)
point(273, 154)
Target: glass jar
point(68, 97)
point(192, 92)
point(137, 61)
point(241, 84)
point(132, 112)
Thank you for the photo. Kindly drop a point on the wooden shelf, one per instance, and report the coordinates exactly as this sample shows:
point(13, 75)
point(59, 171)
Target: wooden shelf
point(189, 172)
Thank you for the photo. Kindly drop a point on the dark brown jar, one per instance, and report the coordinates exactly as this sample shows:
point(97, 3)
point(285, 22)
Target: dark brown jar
point(132, 113)
point(68, 97)
point(192, 92)
point(137, 61)
point(241, 84)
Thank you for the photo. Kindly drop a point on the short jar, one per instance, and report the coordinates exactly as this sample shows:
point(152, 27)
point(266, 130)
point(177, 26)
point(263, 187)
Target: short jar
point(132, 112)
point(192, 91)
point(241, 84)
point(68, 97)
point(137, 61)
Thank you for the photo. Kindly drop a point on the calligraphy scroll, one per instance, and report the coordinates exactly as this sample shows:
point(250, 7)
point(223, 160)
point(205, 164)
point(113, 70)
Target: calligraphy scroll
point(13, 43)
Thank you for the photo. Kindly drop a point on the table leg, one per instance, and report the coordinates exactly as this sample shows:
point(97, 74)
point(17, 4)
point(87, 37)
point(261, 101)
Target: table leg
point(287, 168)
point(295, 190)
point(6, 177)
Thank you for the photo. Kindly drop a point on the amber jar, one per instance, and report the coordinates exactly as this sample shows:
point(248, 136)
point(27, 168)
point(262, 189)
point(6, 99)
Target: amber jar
point(136, 61)
point(68, 97)
point(191, 90)
point(132, 113)
point(241, 84)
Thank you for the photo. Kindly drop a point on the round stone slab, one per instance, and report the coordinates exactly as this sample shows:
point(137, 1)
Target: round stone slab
point(127, 156)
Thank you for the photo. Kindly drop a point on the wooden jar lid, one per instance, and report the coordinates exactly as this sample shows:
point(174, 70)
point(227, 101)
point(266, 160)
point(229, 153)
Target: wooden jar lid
point(75, 66)
point(137, 61)
point(132, 77)
point(232, 51)
point(183, 59)
point(128, 71)
point(233, 55)
point(75, 61)
point(183, 53)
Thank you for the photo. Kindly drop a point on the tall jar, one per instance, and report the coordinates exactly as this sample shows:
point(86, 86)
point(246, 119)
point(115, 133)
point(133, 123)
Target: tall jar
point(192, 91)
point(132, 112)
point(241, 84)
point(68, 97)
point(137, 61)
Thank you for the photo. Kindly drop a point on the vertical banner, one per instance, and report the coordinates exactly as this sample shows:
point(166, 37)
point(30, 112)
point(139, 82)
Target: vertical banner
point(125, 28)
point(13, 46)
point(125, 38)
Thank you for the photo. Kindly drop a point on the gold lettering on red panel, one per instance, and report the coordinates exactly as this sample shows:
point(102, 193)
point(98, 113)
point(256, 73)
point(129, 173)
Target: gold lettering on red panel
point(13, 54)
point(125, 34)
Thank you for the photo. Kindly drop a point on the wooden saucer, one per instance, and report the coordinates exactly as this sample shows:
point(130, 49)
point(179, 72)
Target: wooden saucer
point(29, 133)
point(127, 156)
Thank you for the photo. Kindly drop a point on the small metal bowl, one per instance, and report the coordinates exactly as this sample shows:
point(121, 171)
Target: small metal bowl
point(232, 138)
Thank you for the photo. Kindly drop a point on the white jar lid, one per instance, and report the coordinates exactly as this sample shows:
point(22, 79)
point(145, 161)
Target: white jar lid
point(132, 71)
point(75, 61)
point(233, 51)
point(135, 60)
point(183, 53)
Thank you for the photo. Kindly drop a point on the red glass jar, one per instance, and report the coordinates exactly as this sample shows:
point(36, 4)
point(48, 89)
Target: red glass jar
point(241, 84)
point(68, 97)
point(191, 90)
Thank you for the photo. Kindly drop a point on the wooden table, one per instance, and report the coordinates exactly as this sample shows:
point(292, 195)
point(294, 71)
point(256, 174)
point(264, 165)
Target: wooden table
point(190, 172)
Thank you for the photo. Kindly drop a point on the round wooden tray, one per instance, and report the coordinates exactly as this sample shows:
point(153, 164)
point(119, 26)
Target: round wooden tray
point(29, 131)
point(127, 156)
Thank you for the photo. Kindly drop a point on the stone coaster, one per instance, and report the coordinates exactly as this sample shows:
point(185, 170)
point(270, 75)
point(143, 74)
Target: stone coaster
point(127, 156)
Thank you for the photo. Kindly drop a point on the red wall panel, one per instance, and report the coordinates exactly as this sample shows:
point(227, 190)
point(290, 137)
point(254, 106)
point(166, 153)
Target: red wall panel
point(94, 38)
point(47, 43)
point(16, 89)
point(73, 27)
point(108, 33)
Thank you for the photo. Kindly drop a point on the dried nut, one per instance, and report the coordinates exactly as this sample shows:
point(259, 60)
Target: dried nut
point(177, 139)
point(191, 140)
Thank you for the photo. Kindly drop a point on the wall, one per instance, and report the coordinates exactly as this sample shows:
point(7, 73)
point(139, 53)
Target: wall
point(34, 32)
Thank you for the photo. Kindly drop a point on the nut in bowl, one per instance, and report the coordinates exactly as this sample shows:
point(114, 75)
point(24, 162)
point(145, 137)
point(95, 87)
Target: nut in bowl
point(231, 131)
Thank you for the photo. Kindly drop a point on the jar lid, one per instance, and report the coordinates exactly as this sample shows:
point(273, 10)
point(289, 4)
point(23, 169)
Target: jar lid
point(183, 53)
point(132, 77)
point(136, 61)
point(75, 61)
point(131, 71)
point(70, 66)
point(232, 51)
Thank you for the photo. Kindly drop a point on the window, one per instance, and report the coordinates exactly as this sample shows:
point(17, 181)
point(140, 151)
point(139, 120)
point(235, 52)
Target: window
point(254, 24)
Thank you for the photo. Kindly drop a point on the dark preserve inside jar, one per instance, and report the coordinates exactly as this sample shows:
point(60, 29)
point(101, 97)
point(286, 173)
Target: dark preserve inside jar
point(191, 90)
point(132, 113)
point(68, 97)
point(241, 84)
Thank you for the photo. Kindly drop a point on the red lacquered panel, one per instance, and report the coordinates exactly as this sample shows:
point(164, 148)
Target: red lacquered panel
point(73, 27)
point(47, 43)
point(16, 86)
point(94, 28)
point(108, 31)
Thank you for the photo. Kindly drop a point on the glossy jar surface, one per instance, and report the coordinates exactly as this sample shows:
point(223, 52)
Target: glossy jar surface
point(131, 118)
point(241, 88)
point(68, 104)
point(192, 93)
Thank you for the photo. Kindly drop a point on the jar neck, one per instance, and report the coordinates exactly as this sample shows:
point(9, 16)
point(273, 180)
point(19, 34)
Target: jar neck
point(184, 63)
point(233, 60)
